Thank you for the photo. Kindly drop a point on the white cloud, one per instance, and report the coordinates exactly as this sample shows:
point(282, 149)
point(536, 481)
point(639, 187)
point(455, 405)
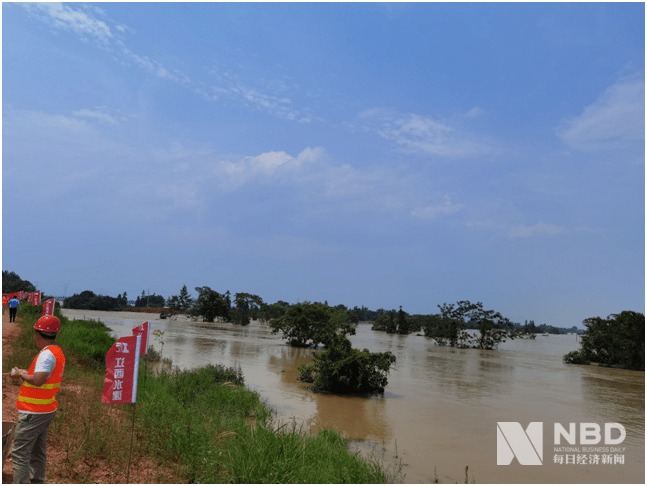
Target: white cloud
point(540, 228)
point(432, 212)
point(155, 68)
point(64, 17)
point(425, 136)
point(264, 166)
point(474, 112)
point(104, 117)
point(82, 23)
point(617, 115)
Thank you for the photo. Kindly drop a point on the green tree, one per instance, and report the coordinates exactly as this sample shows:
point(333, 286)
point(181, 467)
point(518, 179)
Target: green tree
point(184, 299)
point(343, 369)
point(247, 307)
point(209, 305)
point(380, 323)
point(493, 327)
point(11, 282)
point(89, 300)
point(309, 324)
point(402, 323)
point(445, 329)
point(272, 311)
point(449, 327)
point(618, 340)
point(173, 305)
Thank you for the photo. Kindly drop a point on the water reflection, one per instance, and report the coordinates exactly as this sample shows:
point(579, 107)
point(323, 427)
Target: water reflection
point(357, 417)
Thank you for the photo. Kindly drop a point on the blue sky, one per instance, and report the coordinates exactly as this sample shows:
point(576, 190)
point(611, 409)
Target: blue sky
point(382, 155)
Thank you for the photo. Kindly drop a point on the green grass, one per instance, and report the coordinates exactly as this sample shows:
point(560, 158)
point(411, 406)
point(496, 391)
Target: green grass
point(224, 433)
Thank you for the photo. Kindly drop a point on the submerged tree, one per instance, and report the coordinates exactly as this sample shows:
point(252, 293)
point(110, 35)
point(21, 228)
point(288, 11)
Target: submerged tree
point(209, 305)
point(309, 324)
point(184, 300)
point(449, 328)
point(618, 340)
point(247, 307)
point(344, 369)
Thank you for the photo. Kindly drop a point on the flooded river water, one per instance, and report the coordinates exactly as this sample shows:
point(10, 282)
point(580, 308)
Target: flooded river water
point(440, 410)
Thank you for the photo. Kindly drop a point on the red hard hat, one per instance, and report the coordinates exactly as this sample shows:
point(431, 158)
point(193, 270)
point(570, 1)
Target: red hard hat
point(48, 324)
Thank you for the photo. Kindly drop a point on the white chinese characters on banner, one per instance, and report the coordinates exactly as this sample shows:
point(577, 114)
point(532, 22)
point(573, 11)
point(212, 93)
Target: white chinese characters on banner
point(122, 369)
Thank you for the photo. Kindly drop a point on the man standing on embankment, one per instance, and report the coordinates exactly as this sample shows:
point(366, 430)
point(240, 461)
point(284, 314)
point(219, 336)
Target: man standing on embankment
point(37, 403)
point(13, 308)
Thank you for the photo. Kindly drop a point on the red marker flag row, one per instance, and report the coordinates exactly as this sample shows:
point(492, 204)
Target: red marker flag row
point(31, 297)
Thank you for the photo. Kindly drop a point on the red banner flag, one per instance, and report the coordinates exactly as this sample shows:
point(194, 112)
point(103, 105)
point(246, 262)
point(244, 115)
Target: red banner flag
point(21, 295)
point(29, 297)
point(122, 368)
point(48, 307)
point(143, 330)
point(35, 299)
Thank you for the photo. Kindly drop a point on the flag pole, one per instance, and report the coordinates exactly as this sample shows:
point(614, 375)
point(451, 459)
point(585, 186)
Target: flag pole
point(132, 439)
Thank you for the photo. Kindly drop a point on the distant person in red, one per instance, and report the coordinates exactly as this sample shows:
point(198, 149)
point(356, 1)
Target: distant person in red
point(13, 308)
point(37, 403)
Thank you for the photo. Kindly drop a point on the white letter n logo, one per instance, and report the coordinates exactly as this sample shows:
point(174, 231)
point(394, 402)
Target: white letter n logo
point(511, 441)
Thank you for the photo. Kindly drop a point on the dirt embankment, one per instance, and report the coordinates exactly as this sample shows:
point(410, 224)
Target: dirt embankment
point(10, 331)
point(9, 391)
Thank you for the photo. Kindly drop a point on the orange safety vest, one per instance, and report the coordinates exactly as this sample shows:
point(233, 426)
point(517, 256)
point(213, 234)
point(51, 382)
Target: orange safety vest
point(41, 399)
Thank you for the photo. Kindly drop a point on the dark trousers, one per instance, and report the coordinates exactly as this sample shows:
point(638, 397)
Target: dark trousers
point(12, 314)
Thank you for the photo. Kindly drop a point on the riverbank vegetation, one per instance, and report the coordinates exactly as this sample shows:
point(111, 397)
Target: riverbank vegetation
point(617, 341)
point(199, 425)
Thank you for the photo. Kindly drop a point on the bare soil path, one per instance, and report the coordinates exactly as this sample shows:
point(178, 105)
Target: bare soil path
point(10, 331)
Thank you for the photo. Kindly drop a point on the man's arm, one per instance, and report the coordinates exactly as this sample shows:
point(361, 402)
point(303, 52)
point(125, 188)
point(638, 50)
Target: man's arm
point(37, 379)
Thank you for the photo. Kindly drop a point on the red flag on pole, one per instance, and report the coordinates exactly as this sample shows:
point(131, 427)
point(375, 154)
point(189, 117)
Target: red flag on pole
point(122, 368)
point(48, 307)
point(143, 330)
point(35, 300)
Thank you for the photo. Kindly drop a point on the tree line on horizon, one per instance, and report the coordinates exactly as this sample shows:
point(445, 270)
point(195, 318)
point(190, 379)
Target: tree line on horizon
point(210, 306)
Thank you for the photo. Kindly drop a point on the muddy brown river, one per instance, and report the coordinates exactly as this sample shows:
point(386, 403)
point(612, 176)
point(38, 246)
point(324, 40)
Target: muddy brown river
point(440, 410)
